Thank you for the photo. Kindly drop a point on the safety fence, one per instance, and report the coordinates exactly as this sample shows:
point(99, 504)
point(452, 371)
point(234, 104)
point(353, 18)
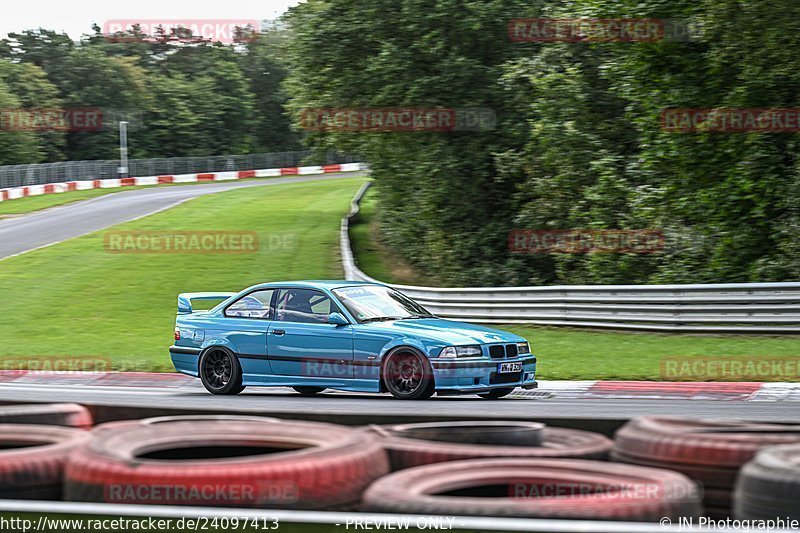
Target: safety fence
point(37, 174)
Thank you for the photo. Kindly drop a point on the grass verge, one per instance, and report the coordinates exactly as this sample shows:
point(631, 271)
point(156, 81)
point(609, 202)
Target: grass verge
point(75, 300)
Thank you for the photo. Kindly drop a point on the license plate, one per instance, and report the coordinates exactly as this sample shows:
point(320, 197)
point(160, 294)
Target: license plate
point(505, 368)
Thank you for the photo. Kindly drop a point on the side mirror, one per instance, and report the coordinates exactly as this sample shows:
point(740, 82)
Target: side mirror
point(337, 319)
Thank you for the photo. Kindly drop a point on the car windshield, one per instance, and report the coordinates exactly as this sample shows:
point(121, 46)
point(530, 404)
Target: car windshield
point(373, 303)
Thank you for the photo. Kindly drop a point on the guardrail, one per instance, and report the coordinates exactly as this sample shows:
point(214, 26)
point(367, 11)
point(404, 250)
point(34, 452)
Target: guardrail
point(717, 308)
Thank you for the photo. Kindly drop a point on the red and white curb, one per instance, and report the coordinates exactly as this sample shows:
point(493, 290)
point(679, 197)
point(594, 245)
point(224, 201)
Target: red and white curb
point(582, 390)
point(82, 185)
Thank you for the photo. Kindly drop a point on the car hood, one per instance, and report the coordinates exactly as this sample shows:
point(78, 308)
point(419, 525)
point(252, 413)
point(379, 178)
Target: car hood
point(447, 331)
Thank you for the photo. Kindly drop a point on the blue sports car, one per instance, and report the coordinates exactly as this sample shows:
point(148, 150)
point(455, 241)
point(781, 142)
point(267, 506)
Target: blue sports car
point(346, 335)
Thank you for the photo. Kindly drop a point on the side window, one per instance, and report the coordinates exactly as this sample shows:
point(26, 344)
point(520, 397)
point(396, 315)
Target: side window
point(303, 305)
point(254, 305)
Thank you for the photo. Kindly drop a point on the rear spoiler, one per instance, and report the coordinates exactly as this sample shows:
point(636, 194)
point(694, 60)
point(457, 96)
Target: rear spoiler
point(185, 299)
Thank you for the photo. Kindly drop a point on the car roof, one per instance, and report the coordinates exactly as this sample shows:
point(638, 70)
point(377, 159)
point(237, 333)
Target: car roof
point(315, 284)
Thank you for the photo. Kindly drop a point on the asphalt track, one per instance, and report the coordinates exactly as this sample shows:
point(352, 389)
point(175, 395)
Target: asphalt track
point(339, 404)
point(42, 228)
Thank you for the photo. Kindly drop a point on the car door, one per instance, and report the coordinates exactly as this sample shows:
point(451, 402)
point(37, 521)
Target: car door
point(301, 342)
point(245, 325)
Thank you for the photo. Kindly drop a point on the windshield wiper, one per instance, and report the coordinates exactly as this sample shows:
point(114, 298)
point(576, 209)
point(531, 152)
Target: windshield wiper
point(380, 319)
point(410, 317)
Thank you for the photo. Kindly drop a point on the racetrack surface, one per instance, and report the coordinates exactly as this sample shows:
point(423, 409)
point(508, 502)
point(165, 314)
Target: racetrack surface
point(340, 404)
point(50, 226)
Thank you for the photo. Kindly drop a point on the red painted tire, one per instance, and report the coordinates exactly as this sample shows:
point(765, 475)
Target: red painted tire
point(536, 488)
point(49, 414)
point(32, 459)
point(769, 485)
point(709, 452)
point(407, 452)
point(239, 463)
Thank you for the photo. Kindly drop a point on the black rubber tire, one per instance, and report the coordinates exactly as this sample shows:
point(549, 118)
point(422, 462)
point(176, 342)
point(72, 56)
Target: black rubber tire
point(220, 363)
point(390, 373)
point(496, 393)
point(309, 391)
point(49, 414)
point(709, 451)
point(407, 452)
point(482, 432)
point(768, 486)
point(245, 463)
point(460, 488)
point(34, 470)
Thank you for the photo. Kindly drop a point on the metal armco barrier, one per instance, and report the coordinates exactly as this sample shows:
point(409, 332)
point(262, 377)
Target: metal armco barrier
point(722, 308)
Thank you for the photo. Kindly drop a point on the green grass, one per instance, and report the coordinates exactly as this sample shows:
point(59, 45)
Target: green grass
point(75, 299)
point(571, 353)
point(29, 204)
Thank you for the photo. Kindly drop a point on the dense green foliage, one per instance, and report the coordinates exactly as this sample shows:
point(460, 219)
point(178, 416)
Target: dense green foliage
point(181, 98)
point(578, 142)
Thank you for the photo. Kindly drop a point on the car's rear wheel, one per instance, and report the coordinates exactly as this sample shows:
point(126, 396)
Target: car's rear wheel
point(221, 372)
point(309, 391)
point(496, 393)
point(407, 375)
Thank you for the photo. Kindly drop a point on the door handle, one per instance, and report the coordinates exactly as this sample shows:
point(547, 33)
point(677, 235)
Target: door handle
point(278, 332)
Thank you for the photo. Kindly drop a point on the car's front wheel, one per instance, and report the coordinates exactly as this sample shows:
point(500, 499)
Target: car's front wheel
point(221, 372)
point(496, 393)
point(407, 375)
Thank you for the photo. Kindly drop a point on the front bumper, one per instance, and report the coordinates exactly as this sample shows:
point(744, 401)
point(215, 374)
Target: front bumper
point(470, 376)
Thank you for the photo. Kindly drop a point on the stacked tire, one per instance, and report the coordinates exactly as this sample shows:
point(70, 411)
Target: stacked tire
point(410, 445)
point(768, 487)
point(536, 488)
point(52, 414)
point(35, 441)
point(33, 458)
point(226, 461)
point(709, 452)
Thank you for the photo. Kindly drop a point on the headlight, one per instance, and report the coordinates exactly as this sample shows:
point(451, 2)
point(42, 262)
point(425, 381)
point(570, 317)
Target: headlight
point(451, 352)
point(523, 348)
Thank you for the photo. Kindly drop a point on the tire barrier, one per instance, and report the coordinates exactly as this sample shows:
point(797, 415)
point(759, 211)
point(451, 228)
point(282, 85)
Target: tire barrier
point(50, 414)
point(411, 445)
point(710, 452)
point(769, 485)
point(228, 462)
point(32, 459)
point(536, 488)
